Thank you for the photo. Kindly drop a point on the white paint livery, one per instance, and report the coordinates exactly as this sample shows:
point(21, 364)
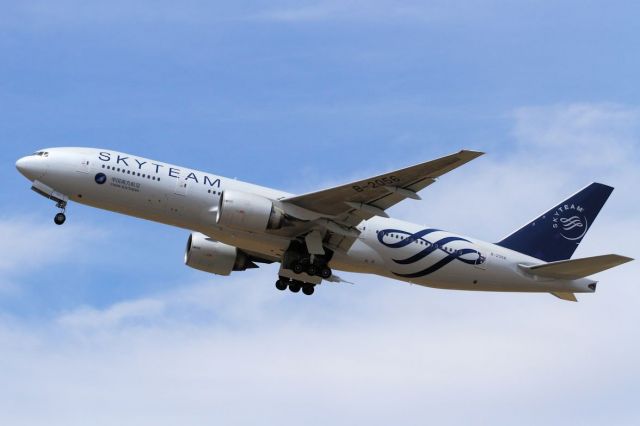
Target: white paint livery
point(236, 225)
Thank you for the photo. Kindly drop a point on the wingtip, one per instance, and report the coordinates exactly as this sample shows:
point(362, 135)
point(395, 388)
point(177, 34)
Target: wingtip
point(621, 260)
point(472, 153)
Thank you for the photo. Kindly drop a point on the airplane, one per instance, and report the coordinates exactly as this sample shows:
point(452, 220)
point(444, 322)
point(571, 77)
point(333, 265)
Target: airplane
point(236, 225)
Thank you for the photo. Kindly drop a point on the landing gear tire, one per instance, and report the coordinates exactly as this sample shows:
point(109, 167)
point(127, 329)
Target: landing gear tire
point(312, 270)
point(295, 287)
point(326, 273)
point(59, 219)
point(308, 289)
point(282, 285)
point(298, 268)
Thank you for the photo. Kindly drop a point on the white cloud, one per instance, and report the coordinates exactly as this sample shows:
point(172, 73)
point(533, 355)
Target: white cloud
point(304, 13)
point(40, 14)
point(28, 245)
point(585, 135)
point(375, 11)
point(116, 315)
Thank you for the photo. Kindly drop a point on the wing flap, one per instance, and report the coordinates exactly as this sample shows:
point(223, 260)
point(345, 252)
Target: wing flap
point(577, 268)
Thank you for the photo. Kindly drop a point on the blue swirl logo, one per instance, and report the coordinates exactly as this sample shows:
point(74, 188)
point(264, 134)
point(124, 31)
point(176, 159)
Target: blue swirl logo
point(402, 239)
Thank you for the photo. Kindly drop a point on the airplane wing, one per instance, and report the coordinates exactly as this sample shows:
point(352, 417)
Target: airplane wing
point(370, 197)
point(344, 207)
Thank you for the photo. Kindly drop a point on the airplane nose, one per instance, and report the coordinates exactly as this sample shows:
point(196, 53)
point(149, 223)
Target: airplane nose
point(22, 165)
point(30, 167)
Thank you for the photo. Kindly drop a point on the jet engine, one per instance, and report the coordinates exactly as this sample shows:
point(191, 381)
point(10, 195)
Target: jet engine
point(215, 257)
point(248, 212)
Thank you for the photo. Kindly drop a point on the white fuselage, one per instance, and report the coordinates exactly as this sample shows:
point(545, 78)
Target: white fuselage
point(187, 198)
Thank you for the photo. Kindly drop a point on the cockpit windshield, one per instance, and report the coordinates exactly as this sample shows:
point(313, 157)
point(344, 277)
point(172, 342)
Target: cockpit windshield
point(41, 154)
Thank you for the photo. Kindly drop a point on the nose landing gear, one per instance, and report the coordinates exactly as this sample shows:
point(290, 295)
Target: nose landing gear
point(60, 218)
point(51, 194)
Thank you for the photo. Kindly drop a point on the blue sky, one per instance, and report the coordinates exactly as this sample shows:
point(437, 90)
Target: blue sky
point(99, 318)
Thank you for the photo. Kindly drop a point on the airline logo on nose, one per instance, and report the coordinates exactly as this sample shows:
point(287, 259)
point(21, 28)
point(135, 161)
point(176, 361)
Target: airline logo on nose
point(571, 221)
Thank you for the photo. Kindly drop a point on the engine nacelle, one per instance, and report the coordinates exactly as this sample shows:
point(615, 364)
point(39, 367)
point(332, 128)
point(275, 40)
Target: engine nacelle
point(215, 257)
point(248, 212)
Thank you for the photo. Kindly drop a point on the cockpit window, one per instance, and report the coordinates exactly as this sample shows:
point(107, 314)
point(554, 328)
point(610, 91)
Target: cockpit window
point(41, 154)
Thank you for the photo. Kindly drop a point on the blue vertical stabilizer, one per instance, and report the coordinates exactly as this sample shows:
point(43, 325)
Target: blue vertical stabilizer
point(556, 234)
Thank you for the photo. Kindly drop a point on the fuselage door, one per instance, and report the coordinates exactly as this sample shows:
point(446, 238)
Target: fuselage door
point(181, 187)
point(83, 165)
point(481, 262)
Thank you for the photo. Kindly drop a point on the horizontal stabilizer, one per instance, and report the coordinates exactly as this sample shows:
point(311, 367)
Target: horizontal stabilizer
point(569, 297)
point(577, 268)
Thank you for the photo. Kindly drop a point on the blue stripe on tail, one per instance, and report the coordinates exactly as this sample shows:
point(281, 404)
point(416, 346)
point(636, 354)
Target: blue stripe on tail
point(556, 234)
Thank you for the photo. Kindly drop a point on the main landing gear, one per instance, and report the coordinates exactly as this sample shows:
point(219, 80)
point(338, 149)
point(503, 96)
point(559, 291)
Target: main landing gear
point(298, 260)
point(302, 271)
point(312, 268)
point(295, 286)
point(60, 218)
